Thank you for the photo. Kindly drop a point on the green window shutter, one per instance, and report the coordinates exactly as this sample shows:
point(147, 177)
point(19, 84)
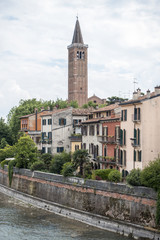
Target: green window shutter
point(121, 115)
point(121, 137)
point(138, 131)
point(135, 113)
point(125, 115)
point(124, 141)
point(64, 121)
point(139, 114)
point(60, 121)
point(135, 136)
point(134, 155)
point(121, 161)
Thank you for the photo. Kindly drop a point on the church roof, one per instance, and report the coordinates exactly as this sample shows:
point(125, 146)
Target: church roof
point(77, 36)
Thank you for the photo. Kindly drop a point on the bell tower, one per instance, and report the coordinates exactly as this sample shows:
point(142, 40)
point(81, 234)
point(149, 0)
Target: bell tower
point(77, 68)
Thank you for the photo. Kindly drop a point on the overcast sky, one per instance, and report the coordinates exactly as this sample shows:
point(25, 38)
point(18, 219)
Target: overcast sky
point(123, 38)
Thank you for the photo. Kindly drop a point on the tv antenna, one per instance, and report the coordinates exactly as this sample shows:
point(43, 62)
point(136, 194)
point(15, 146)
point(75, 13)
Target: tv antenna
point(135, 82)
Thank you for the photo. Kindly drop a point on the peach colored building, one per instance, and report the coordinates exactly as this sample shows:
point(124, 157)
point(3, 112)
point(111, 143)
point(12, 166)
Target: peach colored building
point(140, 130)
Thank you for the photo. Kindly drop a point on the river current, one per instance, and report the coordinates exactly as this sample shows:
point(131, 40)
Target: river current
point(20, 221)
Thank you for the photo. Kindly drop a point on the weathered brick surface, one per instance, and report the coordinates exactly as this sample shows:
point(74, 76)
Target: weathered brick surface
point(106, 199)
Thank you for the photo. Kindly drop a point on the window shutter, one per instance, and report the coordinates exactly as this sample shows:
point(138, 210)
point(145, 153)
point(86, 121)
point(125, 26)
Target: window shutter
point(124, 141)
point(135, 136)
point(60, 121)
point(121, 137)
point(64, 121)
point(134, 155)
point(135, 113)
point(125, 116)
point(138, 136)
point(121, 162)
point(121, 115)
point(139, 114)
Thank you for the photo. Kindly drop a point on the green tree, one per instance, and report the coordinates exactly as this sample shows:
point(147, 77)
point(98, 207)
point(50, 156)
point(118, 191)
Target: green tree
point(5, 133)
point(73, 104)
point(114, 99)
point(58, 161)
point(26, 152)
point(114, 176)
point(134, 177)
point(67, 169)
point(150, 175)
point(3, 143)
point(80, 159)
point(46, 158)
point(7, 152)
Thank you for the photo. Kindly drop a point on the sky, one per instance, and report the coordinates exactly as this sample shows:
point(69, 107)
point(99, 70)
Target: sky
point(123, 38)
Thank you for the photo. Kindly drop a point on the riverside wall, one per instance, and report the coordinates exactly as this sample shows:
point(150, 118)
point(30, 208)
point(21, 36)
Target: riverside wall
point(114, 202)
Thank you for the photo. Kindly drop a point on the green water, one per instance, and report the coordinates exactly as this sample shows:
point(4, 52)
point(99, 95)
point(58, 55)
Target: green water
point(19, 221)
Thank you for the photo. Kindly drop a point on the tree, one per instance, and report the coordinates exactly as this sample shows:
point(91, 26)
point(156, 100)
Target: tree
point(46, 158)
point(58, 161)
point(114, 99)
point(150, 175)
point(26, 152)
point(73, 104)
point(80, 159)
point(5, 133)
point(134, 177)
point(7, 152)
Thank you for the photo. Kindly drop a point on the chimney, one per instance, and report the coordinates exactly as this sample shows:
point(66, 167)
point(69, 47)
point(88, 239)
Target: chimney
point(157, 90)
point(148, 93)
point(137, 94)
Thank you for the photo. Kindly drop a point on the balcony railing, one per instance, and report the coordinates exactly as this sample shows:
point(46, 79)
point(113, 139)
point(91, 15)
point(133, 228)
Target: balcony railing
point(136, 118)
point(76, 138)
point(134, 144)
point(108, 139)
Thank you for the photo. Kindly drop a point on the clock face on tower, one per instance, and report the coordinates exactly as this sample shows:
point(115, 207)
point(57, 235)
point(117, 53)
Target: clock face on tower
point(77, 68)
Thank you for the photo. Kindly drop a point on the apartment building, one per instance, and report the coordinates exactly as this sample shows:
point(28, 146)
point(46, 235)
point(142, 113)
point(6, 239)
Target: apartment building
point(98, 136)
point(140, 127)
point(31, 125)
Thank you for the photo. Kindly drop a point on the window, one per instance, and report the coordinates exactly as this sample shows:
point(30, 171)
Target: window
point(84, 130)
point(105, 131)
point(137, 155)
point(97, 129)
point(43, 136)
point(44, 122)
point(137, 114)
point(60, 149)
point(49, 136)
point(43, 150)
point(105, 150)
point(76, 147)
point(62, 121)
point(84, 145)
point(117, 133)
point(91, 130)
point(49, 150)
point(49, 121)
point(75, 122)
point(136, 137)
point(122, 137)
point(124, 115)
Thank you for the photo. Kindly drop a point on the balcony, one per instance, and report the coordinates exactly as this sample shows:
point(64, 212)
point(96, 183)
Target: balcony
point(107, 139)
point(136, 118)
point(106, 159)
point(135, 145)
point(76, 138)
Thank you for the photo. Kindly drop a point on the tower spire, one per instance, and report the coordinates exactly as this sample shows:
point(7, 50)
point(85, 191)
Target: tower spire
point(77, 36)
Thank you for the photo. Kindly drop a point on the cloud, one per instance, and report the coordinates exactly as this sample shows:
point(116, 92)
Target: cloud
point(123, 38)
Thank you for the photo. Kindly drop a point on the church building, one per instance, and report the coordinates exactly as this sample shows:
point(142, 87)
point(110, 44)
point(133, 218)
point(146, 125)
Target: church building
point(77, 68)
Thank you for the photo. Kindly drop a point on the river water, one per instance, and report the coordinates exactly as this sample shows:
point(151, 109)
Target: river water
point(20, 221)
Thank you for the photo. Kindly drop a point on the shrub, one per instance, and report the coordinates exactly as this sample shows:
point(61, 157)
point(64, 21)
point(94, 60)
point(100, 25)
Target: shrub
point(11, 164)
point(58, 161)
point(114, 176)
point(4, 162)
point(67, 169)
point(134, 177)
point(46, 158)
point(38, 165)
point(150, 175)
point(101, 173)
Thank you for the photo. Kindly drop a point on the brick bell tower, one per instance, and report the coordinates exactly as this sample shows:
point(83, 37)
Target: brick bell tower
point(77, 68)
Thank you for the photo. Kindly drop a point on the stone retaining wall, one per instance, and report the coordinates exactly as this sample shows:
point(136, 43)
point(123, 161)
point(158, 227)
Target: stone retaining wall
point(135, 205)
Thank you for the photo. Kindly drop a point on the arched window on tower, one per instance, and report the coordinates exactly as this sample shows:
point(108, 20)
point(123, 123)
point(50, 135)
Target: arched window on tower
point(77, 54)
point(82, 55)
